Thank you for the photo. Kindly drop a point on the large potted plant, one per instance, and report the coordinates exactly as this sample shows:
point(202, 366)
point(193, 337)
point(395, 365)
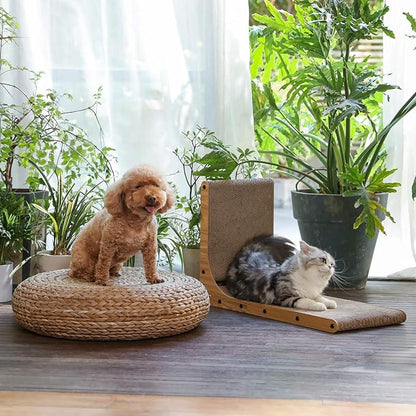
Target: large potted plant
point(17, 224)
point(343, 99)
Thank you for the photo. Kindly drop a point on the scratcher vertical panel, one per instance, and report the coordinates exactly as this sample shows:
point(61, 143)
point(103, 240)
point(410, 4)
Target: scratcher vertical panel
point(243, 209)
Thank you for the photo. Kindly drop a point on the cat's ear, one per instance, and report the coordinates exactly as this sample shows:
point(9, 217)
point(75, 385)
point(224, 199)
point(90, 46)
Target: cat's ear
point(305, 248)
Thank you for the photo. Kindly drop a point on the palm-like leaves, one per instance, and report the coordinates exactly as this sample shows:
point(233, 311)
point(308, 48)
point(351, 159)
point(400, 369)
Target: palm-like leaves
point(16, 225)
point(67, 208)
point(335, 90)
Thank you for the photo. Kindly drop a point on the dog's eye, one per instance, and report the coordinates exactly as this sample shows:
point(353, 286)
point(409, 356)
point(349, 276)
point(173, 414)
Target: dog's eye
point(138, 187)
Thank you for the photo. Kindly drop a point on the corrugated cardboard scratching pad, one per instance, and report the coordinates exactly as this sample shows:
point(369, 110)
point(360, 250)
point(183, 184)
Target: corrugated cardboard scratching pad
point(129, 308)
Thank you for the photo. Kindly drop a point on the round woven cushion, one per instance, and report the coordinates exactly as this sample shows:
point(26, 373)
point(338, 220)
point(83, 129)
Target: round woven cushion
point(129, 308)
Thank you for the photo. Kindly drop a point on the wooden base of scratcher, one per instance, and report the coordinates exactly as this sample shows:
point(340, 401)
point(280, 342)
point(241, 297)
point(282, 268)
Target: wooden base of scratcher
point(347, 316)
point(234, 211)
point(128, 308)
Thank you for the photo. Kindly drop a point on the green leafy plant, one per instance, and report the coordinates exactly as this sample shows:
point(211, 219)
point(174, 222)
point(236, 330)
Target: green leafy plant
point(204, 156)
point(216, 161)
point(34, 126)
point(184, 220)
point(268, 68)
point(67, 208)
point(17, 222)
point(414, 188)
point(319, 75)
point(167, 245)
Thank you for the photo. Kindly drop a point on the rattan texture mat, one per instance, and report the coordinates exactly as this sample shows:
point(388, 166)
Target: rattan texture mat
point(129, 308)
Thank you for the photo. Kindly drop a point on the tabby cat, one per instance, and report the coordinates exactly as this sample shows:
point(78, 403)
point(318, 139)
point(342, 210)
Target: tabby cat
point(270, 270)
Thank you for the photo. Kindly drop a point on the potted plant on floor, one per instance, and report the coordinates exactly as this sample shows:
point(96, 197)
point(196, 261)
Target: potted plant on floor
point(202, 148)
point(17, 224)
point(67, 209)
point(184, 220)
point(346, 138)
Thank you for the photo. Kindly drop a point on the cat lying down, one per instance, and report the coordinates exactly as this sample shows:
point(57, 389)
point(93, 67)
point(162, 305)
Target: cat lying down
point(270, 270)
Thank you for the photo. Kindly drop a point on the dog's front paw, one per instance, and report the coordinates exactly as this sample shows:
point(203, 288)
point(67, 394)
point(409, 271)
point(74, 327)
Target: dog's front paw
point(102, 282)
point(155, 280)
point(115, 271)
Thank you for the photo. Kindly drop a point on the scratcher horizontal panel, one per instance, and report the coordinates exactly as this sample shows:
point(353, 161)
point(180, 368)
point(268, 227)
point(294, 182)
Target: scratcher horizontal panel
point(233, 212)
point(129, 308)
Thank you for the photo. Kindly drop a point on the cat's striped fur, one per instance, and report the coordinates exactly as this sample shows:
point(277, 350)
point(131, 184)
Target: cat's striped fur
point(268, 269)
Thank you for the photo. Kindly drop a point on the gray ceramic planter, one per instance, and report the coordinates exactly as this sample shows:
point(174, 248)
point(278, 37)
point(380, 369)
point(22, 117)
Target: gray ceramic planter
point(326, 221)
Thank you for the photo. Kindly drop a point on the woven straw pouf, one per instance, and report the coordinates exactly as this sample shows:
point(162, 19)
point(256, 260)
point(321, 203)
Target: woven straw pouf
point(129, 308)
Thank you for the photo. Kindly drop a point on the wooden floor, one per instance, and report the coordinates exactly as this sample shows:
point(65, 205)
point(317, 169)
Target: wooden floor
point(263, 363)
point(93, 404)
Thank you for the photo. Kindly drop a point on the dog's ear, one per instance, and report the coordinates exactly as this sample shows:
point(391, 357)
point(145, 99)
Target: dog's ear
point(170, 200)
point(114, 198)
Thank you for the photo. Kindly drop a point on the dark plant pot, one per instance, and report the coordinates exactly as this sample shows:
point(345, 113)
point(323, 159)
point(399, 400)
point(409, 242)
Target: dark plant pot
point(326, 221)
point(29, 196)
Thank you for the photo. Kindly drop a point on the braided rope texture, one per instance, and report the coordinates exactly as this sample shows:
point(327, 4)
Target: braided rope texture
point(129, 308)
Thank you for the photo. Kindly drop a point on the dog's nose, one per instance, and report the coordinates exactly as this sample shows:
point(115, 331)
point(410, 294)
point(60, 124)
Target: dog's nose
point(151, 199)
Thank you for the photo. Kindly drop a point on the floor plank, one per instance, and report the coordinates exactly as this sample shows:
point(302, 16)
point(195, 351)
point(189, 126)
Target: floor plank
point(229, 355)
point(70, 404)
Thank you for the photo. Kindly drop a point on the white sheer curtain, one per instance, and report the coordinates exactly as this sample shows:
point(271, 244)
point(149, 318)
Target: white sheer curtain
point(397, 250)
point(164, 66)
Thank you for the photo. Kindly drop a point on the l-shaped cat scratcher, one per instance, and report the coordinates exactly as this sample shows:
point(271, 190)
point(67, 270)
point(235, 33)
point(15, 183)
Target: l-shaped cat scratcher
point(233, 212)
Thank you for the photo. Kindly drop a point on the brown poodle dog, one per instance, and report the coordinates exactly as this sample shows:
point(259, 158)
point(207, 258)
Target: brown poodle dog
point(126, 225)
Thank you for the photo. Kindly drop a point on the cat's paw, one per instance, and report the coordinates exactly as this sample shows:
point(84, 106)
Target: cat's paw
point(330, 304)
point(319, 306)
point(310, 304)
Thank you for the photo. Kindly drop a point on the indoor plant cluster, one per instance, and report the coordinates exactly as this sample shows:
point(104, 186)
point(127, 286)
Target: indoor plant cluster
point(38, 135)
point(340, 94)
point(17, 220)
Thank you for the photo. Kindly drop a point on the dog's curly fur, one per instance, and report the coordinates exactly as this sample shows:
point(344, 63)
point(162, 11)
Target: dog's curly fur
point(125, 226)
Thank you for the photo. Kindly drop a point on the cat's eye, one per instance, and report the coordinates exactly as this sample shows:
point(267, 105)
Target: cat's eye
point(323, 260)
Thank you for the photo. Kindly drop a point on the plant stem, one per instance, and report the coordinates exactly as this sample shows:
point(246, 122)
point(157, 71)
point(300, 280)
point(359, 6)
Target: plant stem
point(348, 119)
